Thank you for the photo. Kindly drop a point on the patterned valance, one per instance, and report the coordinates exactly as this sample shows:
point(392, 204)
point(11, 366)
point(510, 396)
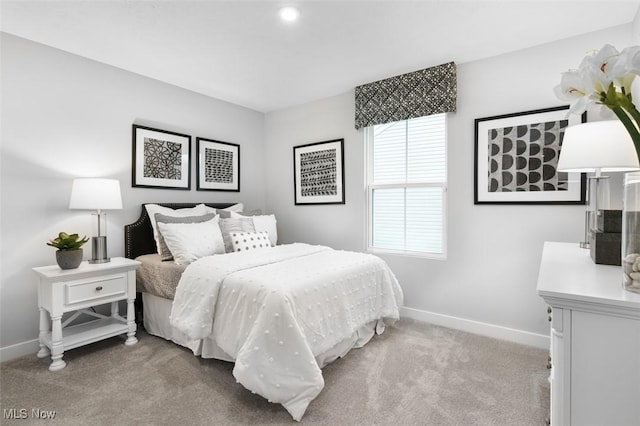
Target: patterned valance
point(415, 94)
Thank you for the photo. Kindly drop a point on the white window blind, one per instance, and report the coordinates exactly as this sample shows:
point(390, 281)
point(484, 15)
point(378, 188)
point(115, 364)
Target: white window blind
point(406, 186)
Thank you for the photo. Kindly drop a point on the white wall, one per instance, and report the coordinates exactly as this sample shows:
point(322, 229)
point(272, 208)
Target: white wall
point(636, 28)
point(493, 250)
point(335, 225)
point(64, 116)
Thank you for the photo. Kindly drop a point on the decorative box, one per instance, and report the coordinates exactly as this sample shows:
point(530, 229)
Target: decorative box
point(609, 221)
point(606, 240)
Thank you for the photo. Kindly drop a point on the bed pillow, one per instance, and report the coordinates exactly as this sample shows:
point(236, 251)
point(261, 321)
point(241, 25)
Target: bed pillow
point(246, 241)
point(266, 223)
point(227, 226)
point(190, 241)
point(226, 212)
point(152, 209)
point(165, 253)
point(234, 208)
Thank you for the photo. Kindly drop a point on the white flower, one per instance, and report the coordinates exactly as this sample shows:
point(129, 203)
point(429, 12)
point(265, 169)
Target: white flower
point(595, 68)
point(572, 88)
point(597, 72)
point(619, 67)
point(605, 78)
point(631, 58)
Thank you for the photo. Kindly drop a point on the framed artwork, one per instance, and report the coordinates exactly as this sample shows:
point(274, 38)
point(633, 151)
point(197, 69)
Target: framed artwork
point(318, 170)
point(218, 166)
point(516, 159)
point(161, 159)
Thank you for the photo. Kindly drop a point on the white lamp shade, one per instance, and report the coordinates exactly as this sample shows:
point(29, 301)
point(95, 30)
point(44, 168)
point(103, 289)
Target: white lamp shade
point(599, 145)
point(95, 194)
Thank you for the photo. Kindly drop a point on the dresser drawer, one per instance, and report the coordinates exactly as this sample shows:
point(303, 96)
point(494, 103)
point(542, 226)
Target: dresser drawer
point(110, 286)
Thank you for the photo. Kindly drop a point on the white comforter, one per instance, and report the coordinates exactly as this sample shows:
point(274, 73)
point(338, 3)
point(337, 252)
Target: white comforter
point(275, 310)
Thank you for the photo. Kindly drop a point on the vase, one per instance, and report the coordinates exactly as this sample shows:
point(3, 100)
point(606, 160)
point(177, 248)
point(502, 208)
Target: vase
point(631, 232)
point(69, 259)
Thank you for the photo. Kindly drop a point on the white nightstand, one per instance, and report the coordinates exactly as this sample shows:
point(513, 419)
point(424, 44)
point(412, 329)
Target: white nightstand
point(61, 291)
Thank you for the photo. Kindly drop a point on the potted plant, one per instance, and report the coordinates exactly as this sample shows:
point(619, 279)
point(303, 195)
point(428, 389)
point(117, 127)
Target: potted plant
point(69, 254)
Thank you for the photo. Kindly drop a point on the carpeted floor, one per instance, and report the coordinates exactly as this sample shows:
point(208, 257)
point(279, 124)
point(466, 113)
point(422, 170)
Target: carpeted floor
point(414, 373)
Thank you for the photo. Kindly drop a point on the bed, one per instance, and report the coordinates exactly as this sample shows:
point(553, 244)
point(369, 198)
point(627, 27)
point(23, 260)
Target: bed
point(280, 313)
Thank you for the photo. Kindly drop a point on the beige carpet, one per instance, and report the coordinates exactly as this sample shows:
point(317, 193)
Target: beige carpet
point(414, 373)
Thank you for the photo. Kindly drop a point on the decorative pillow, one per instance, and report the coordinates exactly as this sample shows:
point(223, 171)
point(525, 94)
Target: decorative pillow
point(164, 251)
point(234, 208)
point(226, 212)
point(152, 209)
point(256, 212)
point(191, 241)
point(227, 226)
point(245, 241)
point(266, 223)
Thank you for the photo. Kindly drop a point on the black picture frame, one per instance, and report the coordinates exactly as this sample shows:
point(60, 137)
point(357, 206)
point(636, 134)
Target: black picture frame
point(515, 156)
point(160, 159)
point(318, 173)
point(218, 165)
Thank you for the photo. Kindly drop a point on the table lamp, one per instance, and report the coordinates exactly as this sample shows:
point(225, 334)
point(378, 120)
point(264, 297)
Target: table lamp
point(596, 147)
point(99, 195)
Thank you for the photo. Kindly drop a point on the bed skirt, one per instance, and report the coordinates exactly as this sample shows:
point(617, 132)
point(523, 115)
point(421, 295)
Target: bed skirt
point(156, 322)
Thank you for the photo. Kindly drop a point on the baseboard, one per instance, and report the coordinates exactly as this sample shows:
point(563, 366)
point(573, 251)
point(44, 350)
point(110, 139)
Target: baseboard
point(484, 329)
point(19, 349)
point(476, 327)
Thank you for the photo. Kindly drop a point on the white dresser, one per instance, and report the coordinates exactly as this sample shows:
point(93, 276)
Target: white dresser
point(595, 339)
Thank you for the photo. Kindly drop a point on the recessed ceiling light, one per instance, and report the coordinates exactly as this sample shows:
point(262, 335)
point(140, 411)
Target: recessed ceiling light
point(289, 14)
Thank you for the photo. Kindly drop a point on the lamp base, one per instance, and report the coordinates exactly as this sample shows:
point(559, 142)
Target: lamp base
point(588, 220)
point(99, 250)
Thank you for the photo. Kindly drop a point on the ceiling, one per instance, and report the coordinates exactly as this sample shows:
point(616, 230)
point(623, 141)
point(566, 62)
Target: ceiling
point(239, 51)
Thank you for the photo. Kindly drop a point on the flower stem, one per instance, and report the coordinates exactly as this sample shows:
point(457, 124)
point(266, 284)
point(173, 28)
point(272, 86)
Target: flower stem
point(633, 112)
point(628, 123)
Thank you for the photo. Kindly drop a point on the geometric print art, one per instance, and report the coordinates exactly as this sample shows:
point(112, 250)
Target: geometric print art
point(318, 173)
point(218, 165)
point(162, 159)
point(525, 158)
point(415, 94)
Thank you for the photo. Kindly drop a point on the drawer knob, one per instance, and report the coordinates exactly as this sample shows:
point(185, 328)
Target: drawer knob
point(550, 318)
point(99, 288)
point(549, 309)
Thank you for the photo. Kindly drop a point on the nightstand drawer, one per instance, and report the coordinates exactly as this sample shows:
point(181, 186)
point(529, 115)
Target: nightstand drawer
point(98, 288)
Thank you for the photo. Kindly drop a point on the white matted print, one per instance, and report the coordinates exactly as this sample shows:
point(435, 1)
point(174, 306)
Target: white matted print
point(516, 159)
point(218, 166)
point(319, 172)
point(161, 159)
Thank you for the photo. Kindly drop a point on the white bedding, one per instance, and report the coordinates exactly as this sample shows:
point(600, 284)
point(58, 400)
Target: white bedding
point(274, 310)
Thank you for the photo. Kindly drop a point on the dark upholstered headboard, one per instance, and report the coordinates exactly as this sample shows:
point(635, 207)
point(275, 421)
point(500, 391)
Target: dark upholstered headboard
point(138, 236)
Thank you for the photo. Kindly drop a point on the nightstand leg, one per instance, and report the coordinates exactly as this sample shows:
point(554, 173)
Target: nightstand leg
point(131, 324)
point(114, 309)
point(44, 329)
point(57, 348)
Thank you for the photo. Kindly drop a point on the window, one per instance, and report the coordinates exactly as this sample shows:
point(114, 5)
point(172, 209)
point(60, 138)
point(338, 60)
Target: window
point(407, 186)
